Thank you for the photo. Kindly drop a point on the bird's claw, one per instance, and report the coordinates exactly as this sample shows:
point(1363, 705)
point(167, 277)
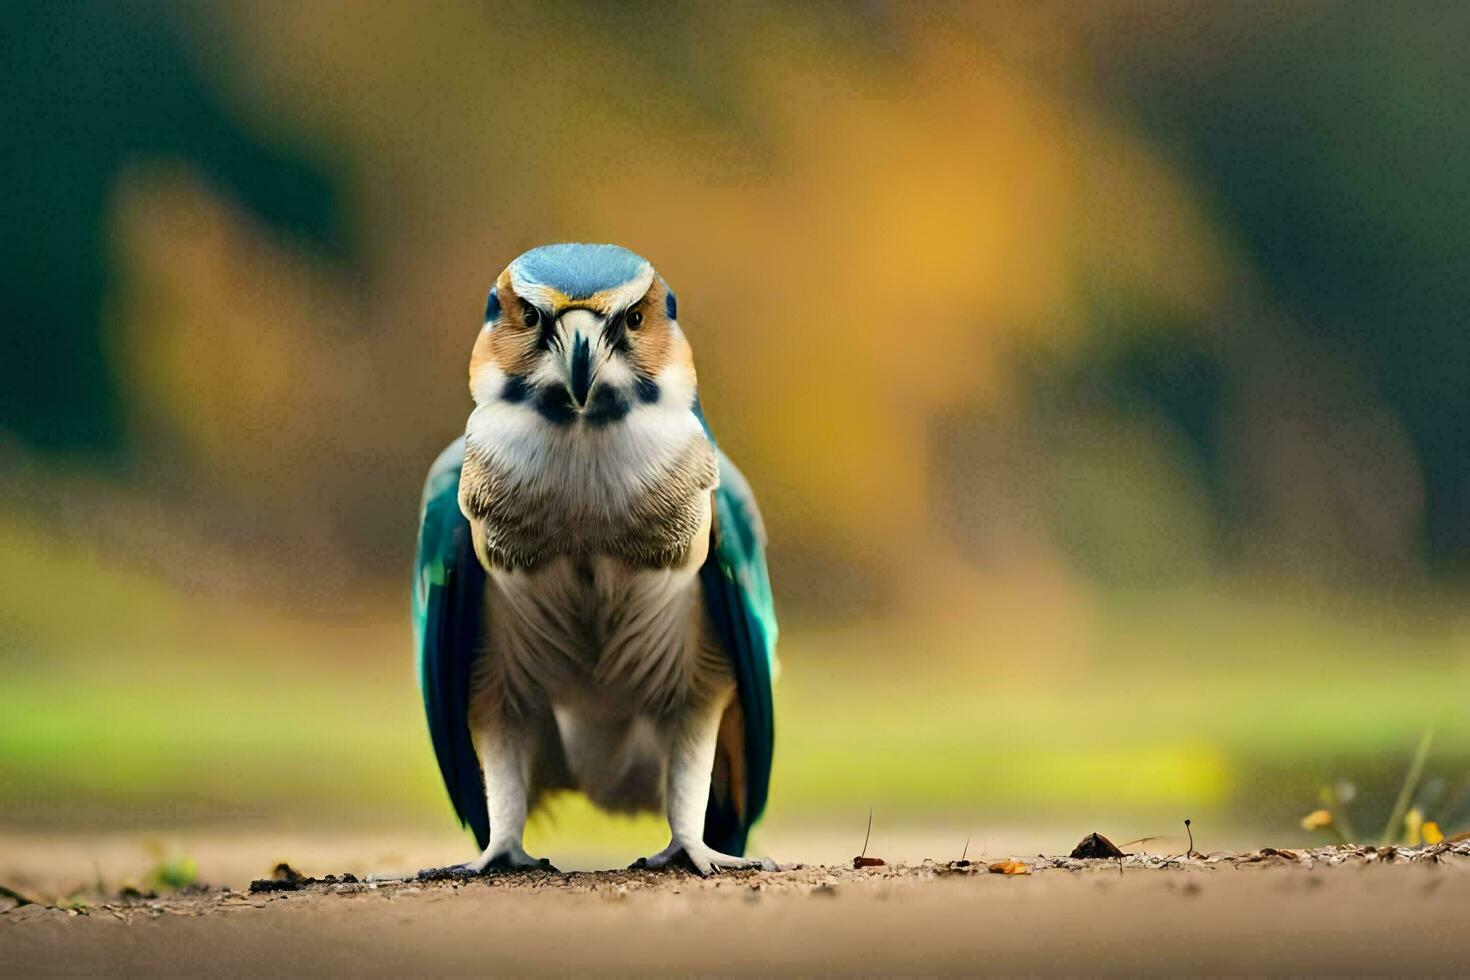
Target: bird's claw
point(703, 861)
point(506, 862)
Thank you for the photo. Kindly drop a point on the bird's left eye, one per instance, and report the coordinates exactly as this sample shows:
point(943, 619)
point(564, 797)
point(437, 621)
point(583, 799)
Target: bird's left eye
point(635, 319)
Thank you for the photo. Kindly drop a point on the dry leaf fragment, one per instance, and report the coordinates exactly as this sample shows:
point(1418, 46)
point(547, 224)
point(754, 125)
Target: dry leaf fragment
point(1279, 852)
point(284, 872)
point(1095, 845)
point(1010, 867)
point(867, 862)
point(1316, 820)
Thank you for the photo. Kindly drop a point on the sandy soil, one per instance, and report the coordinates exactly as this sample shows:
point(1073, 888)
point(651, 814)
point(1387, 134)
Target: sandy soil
point(1290, 912)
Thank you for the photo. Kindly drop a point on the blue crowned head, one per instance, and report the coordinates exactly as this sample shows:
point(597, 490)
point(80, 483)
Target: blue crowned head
point(582, 336)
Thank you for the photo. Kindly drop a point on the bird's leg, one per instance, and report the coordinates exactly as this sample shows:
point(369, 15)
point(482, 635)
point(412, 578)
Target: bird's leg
point(690, 762)
point(503, 759)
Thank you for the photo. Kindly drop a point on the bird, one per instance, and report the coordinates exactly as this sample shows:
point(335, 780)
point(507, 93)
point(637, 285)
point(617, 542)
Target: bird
point(591, 603)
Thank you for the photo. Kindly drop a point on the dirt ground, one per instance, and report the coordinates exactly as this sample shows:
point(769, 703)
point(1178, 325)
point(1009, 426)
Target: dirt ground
point(1321, 911)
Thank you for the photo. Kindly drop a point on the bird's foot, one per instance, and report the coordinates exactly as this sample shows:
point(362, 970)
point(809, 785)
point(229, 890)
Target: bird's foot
point(701, 859)
point(512, 858)
point(502, 861)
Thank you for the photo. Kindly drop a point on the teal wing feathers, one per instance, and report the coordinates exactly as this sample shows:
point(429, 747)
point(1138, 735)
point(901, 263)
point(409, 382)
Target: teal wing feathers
point(737, 596)
point(448, 621)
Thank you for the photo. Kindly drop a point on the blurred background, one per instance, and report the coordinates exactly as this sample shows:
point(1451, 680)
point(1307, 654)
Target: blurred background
point(1103, 371)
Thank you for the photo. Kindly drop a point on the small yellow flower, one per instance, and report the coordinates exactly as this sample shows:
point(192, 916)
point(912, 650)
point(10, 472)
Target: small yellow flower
point(1316, 820)
point(1432, 833)
point(1413, 826)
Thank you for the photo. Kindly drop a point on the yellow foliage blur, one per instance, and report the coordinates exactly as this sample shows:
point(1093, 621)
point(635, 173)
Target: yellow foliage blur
point(859, 243)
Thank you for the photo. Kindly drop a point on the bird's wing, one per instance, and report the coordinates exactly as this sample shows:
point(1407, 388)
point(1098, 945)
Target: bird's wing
point(737, 596)
point(449, 626)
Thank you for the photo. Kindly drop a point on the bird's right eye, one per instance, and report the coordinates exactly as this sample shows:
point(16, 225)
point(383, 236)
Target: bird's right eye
point(532, 316)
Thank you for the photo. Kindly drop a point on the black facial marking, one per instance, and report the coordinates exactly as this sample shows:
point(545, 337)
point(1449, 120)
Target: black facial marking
point(581, 369)
point(516, 389)
point(492, 306)
point(548, 339)
point(671, 305)
point(647, 390)
point(608, 405)
point(554, 404)
point(615, 334)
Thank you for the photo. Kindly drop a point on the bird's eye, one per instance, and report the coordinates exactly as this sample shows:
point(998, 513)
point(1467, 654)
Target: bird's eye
point(532, 316)
point(635, 320)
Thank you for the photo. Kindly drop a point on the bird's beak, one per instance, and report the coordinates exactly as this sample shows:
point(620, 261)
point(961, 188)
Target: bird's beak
point(578, 328)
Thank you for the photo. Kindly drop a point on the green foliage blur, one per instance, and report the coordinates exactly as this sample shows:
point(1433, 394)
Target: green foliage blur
point(1101, 368)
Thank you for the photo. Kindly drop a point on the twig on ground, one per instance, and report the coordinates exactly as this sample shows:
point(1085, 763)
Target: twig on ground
point(1395, 824)
point(1137, 840)
point(862, 860)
